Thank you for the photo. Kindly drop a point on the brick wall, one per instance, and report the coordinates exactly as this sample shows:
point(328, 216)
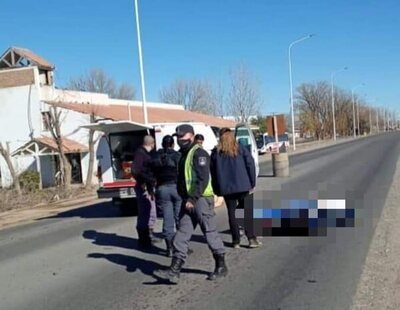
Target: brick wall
point(16, 78)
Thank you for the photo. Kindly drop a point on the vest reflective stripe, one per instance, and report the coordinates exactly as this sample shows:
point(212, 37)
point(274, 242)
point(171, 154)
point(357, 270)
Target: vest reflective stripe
point(190, 177)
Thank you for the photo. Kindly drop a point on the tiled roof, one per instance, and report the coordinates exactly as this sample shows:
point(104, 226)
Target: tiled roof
point(70, 146)
point(31, 56)
point(155, 115)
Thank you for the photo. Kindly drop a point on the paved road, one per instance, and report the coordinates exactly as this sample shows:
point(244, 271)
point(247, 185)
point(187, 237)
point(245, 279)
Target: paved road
point(87, 258)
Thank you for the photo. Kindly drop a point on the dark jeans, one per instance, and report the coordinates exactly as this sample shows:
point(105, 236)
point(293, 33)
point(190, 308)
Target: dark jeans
point(232, 202)
point(169, 202)
point(147, 215)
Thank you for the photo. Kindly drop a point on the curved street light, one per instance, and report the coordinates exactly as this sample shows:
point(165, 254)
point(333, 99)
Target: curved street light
point(333, 100)
point(291, 84)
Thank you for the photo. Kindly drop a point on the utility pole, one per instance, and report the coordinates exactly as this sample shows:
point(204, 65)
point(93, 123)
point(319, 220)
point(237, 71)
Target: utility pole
point(333, 100)
point(384, 120)
point(370, 121)
point(139, 42)
point(291, 86)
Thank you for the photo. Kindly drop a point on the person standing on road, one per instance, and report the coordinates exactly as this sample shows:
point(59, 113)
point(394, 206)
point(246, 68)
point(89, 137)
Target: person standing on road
point(144, 189)
point(165, 167)
point(233, 176)
point(194, 186)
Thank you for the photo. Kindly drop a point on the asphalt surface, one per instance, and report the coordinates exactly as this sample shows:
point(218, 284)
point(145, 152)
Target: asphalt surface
point(87, 258)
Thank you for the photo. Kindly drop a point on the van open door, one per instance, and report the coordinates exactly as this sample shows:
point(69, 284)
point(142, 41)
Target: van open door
point(244, 135)
point(123, 138)
point(114, 156)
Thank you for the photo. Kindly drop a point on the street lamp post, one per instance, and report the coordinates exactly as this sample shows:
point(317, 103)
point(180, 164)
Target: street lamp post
point(370, 120)
point(384, 120)
point(139, 42)
point(333, 101)
point(354, 115)
point(291, 85)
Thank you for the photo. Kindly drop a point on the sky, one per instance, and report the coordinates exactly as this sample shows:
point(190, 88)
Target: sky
point(207, 39)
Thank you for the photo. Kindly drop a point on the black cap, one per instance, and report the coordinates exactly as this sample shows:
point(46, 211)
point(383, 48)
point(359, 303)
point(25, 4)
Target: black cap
point(182, 130)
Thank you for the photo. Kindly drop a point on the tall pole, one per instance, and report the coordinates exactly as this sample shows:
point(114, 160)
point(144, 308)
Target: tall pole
point(377, 120)
point(358, 116)
point(333, 110)
point(370, 121)
point(291, 85)
point(333, 101)
point(384, 120)
point(139, 42)
point(354, 115)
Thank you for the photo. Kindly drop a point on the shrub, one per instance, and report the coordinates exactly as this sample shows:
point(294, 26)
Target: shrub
point(29, 181)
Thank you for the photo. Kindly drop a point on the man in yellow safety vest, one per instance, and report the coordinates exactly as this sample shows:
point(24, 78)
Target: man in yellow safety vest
point(194, 186)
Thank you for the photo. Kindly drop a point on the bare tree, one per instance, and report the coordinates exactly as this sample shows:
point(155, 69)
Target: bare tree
point(91, 143)
point(97, 80)
point(313, 102)
point(219, 100)
point(54, 124)
point(243, 98)
point(5, 152)
point(125, 91)
point(194, 95)
point(343, 112)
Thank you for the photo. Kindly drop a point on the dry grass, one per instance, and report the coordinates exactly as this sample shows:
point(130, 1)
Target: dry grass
point(9, 200)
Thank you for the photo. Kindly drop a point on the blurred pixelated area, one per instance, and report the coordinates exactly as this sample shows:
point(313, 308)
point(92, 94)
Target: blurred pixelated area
point(295, 217)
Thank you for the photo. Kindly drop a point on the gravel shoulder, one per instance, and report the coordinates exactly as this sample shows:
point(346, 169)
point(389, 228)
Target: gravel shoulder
point(380, 280)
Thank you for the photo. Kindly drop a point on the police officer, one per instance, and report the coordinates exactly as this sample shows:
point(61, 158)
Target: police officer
point(165, 166)
point(194, 186)
point(144, 190)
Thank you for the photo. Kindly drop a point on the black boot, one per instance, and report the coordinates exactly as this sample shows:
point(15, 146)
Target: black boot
point(168, 244)
point(144, 238)
point(220, 268)
point(172, 273)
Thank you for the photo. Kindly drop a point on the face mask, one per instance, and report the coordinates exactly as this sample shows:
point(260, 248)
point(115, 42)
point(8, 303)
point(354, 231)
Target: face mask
point(184, 144)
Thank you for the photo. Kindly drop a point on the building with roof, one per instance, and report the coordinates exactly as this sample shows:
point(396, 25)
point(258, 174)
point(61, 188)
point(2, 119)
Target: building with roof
point(27, 91)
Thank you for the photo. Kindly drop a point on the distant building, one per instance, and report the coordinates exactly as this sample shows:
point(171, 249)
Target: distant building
point(27, 91)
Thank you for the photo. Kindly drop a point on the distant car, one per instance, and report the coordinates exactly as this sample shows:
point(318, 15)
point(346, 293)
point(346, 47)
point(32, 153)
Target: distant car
point(270, 144)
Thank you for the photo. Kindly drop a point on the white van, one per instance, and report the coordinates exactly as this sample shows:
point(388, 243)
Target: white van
point(117, 146)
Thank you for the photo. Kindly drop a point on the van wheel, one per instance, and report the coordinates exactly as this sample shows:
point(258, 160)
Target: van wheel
point(127, 207)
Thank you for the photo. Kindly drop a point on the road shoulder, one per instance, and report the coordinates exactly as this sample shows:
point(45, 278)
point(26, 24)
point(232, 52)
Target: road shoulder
point(380, 280)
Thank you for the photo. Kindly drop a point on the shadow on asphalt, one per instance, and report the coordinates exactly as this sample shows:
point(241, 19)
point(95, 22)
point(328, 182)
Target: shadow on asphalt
point(147, 267)
point(265, 175)
point(97, 210)
point(114, 240)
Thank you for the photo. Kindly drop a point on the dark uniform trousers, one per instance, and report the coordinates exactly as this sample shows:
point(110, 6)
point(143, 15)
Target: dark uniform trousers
point(204, 215)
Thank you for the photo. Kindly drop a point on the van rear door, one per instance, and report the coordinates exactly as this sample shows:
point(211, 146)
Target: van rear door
point(244, 135)
point(123, 138)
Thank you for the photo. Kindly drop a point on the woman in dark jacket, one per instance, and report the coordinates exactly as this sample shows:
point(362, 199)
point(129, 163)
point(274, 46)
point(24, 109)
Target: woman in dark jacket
point(233, 175)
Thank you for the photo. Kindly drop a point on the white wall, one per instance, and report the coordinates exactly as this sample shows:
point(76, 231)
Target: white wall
point(19, 117)
point(21, 164)
point(16, 105)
